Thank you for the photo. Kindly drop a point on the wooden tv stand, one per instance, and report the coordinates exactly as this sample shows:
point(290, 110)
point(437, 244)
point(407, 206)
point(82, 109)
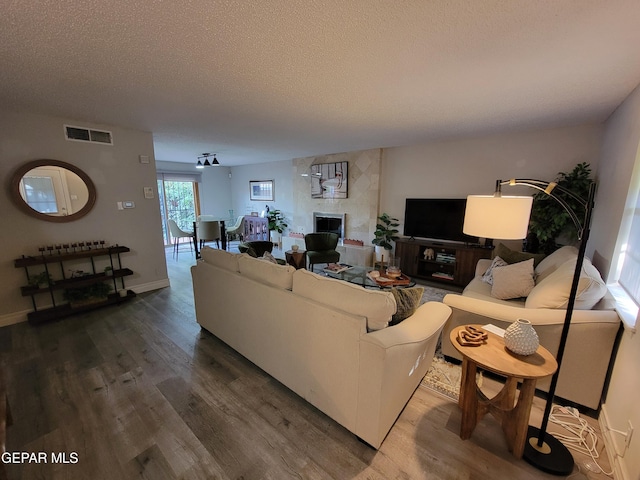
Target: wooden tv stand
point(453, 263)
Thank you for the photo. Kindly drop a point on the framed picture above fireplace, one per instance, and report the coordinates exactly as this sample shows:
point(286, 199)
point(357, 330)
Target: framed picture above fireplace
point(329, 180)
point(261, 190)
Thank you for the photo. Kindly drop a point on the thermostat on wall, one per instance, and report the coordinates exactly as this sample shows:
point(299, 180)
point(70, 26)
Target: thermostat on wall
point(128, 205)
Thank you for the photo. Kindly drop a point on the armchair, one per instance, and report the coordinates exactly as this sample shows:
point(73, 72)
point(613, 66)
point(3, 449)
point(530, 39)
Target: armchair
point(257, 249)
point(321, 248)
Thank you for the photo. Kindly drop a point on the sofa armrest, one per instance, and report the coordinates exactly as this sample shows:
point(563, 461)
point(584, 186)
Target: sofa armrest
point(482, 266)
point(588, 350)
point(537, 316)
point(393, 361)
point(427, 320)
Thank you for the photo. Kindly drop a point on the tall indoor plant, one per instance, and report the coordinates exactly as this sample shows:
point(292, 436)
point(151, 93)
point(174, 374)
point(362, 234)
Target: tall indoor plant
point(386, 232)
point(277, 224)
point(549, 220)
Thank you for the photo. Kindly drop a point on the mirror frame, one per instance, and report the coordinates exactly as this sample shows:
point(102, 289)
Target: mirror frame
point(24, 206)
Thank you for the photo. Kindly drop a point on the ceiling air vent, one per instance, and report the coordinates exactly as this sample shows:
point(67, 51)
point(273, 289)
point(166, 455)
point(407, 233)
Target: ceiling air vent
point(79, 134)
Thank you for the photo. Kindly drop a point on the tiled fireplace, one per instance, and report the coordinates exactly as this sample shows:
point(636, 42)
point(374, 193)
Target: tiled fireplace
point(329, 222)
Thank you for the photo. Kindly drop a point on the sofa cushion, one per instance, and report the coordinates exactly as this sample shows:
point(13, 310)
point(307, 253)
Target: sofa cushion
point(513, 256)
point(377, 306)
point(407, 301)
point(488, 275)
point(551, 263)
point(220, 258)
point(553, 290)
point(280, 276)
point(513, 281)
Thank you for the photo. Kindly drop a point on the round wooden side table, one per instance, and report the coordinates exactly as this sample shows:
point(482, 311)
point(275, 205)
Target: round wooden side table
point(297, 259)
point(494, 357)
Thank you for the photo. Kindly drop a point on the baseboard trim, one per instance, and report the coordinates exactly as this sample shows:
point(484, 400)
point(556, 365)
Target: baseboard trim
point(19, 317)
point(13, 318)
point(148, 287)
point(619, 470)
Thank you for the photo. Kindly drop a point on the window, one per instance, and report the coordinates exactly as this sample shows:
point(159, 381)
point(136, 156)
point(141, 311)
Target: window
point(626, 267)
point(630, 272)
point(178, 194)
point(39, 194)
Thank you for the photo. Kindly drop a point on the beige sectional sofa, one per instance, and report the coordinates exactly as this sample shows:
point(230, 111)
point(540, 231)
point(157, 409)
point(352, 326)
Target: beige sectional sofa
point(325, 339)
point(593, 331)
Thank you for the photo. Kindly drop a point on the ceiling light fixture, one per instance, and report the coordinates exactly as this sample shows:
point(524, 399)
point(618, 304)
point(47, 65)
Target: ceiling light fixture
point(206, 162)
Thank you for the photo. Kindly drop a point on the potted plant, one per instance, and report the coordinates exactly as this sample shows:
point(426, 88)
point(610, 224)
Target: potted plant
point(549, 220)
point(385, 233)
point(43, 278)
point(90, 294)
point(277, 224)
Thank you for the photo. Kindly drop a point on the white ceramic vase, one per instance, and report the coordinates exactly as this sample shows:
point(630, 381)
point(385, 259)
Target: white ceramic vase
point(521, 338)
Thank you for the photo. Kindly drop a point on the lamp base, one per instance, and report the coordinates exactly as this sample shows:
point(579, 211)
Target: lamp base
point(553, 457)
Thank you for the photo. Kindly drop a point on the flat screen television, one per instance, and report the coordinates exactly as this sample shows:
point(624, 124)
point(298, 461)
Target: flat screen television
point(436, 218)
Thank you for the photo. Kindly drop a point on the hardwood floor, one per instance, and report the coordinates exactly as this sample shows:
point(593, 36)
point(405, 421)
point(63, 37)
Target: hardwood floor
point(140, 391)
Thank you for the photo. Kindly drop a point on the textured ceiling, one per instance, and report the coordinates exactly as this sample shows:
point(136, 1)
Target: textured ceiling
point(271, 80)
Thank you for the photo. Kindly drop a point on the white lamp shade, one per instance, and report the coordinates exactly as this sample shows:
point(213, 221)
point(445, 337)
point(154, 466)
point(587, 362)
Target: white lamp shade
point(505, 218)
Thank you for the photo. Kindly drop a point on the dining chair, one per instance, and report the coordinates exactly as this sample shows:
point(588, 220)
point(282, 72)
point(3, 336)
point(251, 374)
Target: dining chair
point(235, 229)
point(209, 231)
point(176, 234)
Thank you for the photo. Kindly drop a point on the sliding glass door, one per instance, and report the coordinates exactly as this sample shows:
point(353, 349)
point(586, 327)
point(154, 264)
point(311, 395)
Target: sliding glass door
point(178, 201)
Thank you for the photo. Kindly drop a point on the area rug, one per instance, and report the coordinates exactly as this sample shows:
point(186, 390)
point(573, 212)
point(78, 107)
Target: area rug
point(442, 377)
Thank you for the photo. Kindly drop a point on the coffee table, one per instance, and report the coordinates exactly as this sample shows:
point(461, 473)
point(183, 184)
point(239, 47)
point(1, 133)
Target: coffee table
point(358, 276)
point(494, 357)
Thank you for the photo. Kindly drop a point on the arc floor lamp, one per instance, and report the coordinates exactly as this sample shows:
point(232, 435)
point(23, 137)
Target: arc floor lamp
point(507, 218)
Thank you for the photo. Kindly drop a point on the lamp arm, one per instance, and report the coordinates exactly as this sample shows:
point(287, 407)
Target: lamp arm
point(548, 187)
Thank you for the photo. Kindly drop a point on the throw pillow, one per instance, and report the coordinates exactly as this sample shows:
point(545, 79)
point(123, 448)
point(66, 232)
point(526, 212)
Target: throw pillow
point(407, 301)
point(512, 256)
point(488, 275)
point(513, 281)
point(267, 256)
point(553, 291)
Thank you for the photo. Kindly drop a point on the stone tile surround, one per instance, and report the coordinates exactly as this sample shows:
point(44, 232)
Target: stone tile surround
point(361, 206)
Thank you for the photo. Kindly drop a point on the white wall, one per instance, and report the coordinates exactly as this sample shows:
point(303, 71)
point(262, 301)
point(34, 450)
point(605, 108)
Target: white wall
point(457, 168)
point(280, 172)
point(613, 213)
point(118, 176)
point(214, 187)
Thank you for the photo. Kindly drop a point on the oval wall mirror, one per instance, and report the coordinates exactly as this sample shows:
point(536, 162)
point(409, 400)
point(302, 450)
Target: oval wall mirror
point(53, 191)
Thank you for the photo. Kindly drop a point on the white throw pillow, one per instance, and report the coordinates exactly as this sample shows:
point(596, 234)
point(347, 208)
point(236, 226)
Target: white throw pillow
point(550, 264)
point(513, 281)
point(488, 275)
point(377, 306)
point(280, 276)
point(220, 258)
point(553, 291)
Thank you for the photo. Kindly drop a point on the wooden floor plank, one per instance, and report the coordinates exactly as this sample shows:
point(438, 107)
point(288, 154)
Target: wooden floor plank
point(140, 391)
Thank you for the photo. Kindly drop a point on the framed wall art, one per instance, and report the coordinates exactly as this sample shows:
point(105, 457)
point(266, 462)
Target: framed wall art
point(329, 180)
point(261, 190)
